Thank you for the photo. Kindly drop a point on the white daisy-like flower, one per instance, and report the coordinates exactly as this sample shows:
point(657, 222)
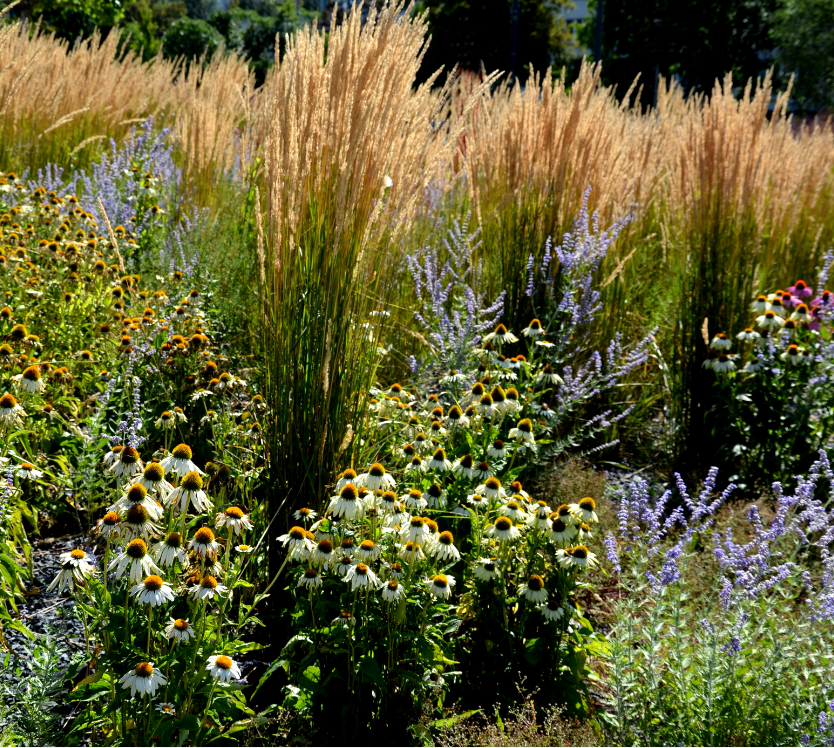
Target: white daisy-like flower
point(153, 480)
point(30, 379)
point(204, 543)
point(548, 376)
point(416, 465)
point(166, 708)
point(377, 478)
point(416, 531)
point(441, 586)
point(304, 514)
point(500, 336)
point(136, 561)
point(792, 355)
point(721, 342)
point(478, 501)
point(128, 463)
point(465, 466)
point(223, 669)
point(748, 334)
point(144, 679)
point(344, 619)
point(533, 589)
point(454, 377)
point(578, 556)
point(208, 589)
point(411, 553)
point(361, 576)
point(171, 550)
point(436, 496)
point(27, 471)
point(544, 411)
point(344, 565)
point(310, 579)
point(724, 364)
point(11, 412)
point(584, 533)
point(166, 420)
point(323, 555)
point(533, 330)
point(584, 511)
point(234, 519)
point(189, 491)
point(347, 504)
point(392, 591)
point(514, 510)
point(137, 523)
point(770, 321)
point(523, 432)
point(503, 529)
point(137, 494)
point(554, 610)
point(153, 591)
point(179, 461)
point(368, 551)
point(760, 305)
point(414, 501)
point(560, 532)
point(492, 489)
point(497, 451)
point(443, 548)
point(76, 566)
point(544, 344)
point(777, 306)
point(539, 519)
point(486, 569)
point(112, 456)
point(179, 629)
point(108, 525)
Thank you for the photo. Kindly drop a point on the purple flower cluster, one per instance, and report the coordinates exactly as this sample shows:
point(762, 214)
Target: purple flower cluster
point(452, 311)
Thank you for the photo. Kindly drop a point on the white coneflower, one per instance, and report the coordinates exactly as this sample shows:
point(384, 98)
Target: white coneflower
point(108, 525)
point(171, 550)
point(153, 480)
point(548, 376)
point(304, 514)
point(11, 413)
point(801, 314)
point(486, 406)
point(777, 306)
point(808, 357)
point(454, 377)
point(492, 489)
point(500, 336)
point(560, 532)
point(344, 565)
point(375, 478)
point(154, 591)
point(554, 610)
point(486, 569)
point(482, 471)
point(166, 420)
point(348, 476)
point(584, 533)
point(166, 708)
point(189, 491)
point(235, 519)
point(361, 576)
point(207, 589)
point(584, 510)
point(368, 551)
point(543, 410)
point(578, 555)
point(497, 451)
point(392, 591)
point(223, 669)
point(540, 518)
point(137, 494)
point(204, 544)
point(544, 344)
point(137, 523)
point(478, 501)
point(465, 466)
point(436, 430)
point(415, 465)
point(443, 549)
point(27, 471)
point(503, 529)
point(398, 517)
point(748, 334)
point(436, 496)
point(309, 579)
point(518, 489)
point(441, 586)
point(76, 566)
point(533, 589)
point(136, 561)
point(723, 364)
point(144, 679)
point(564, 513)
point(770, 321)
point(523, 432)
point(347, 504)
point(112, 456)
point(323, 554)
point(128, 464)
point(417, 531)
point(760, 305)
point(533, 330)
point(244, 548)
point(411, 553)
point(751, 367)
point(30, 379)
point(414, 501)
point(179, 461)
point(345, 619)
point(422, 443)
point(792, 354)
point(347, 547)
point(513, 510)
point(388, 502)
point(721, 342)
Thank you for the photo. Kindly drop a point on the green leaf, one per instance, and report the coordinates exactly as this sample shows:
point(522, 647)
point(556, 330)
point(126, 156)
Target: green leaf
point(370, 671)
point(449, 721)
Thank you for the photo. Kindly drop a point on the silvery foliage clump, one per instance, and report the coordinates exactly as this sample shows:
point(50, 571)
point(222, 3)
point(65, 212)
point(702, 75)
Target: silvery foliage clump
point(736, 649)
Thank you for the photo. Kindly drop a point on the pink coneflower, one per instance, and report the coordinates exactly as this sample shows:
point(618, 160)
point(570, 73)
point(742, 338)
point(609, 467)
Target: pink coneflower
point(801, 290)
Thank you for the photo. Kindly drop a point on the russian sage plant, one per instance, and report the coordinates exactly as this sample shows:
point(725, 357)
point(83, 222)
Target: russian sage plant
point(737, 652)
